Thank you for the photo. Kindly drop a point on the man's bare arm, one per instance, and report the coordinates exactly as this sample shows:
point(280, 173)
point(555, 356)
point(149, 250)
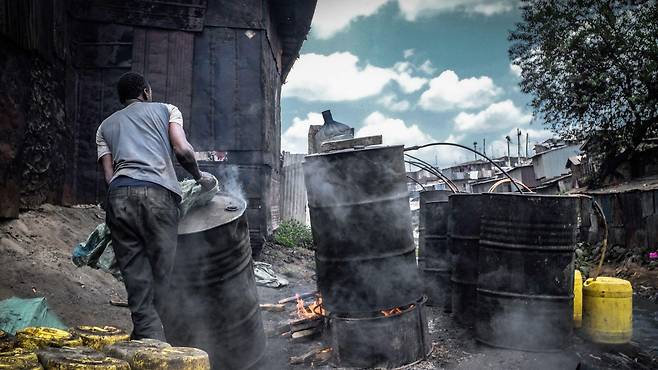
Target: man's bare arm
point(108, 168)
point(183, 150)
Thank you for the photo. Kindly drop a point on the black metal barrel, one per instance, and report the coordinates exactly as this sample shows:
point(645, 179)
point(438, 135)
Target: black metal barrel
point(433, 253)
point(382, 341)
point(525, 271)
point(213, 299)
point(361, 223)
point(463, 238)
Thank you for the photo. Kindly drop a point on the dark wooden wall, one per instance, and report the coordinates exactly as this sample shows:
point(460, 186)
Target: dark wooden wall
point(221, 62)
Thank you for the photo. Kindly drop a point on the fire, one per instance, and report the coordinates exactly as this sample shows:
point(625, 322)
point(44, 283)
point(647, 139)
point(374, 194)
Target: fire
point(312, 310)
point(395, 311)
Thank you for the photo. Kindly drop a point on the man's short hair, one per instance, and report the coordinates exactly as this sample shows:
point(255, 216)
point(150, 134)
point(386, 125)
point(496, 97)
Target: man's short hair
point(130, 86)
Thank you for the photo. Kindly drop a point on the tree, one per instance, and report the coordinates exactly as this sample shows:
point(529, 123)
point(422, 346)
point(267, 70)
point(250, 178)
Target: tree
point(591, 67)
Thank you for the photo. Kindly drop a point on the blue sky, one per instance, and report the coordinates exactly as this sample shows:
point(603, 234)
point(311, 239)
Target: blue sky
point(414, 71)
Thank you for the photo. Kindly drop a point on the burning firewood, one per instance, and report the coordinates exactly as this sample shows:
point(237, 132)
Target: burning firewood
point(316, 356)
point(272, 307)
point(305, 323)
point(304, 335)
point(296, 297)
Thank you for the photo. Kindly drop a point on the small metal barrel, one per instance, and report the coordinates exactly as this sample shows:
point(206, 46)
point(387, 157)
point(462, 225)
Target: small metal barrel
point(526, 271)
point(463, 239)
point(433, 254)
point(213, 299)
point(361, 223)
point(380, 341)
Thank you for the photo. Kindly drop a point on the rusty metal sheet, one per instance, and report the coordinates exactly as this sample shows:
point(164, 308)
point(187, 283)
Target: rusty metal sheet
point(187, 15)
point(165, 59)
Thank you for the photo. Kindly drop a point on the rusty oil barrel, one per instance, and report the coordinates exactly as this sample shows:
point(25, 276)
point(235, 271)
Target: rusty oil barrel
point(361, 223)
point(464, 212)
point(214, 303)
point(433, 254)
point(525, 271)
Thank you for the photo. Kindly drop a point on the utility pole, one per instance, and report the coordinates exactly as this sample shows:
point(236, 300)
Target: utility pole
point(526, 144)
point(475, 147)
point(508, 139)
point(484, 146)
point(518, 144)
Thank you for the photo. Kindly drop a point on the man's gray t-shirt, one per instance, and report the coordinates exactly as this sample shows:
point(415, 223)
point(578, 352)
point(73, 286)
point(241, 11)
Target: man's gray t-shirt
point(137, 136)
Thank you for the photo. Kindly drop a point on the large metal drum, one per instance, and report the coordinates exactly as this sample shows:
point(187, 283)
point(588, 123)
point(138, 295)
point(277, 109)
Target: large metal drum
point(433, 253)
point(463, 238)
point(214, 303)
point(526, 270)
point(361, 223)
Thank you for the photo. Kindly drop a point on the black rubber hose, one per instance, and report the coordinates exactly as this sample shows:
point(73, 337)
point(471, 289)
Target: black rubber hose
point(416, 147)
point(440, 174)
point(416, 181)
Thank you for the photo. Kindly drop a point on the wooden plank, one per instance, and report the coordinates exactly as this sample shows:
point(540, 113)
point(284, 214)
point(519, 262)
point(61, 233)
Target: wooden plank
point(187, 15)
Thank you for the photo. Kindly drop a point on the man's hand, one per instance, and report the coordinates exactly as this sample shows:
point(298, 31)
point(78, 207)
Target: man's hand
point(207, 181)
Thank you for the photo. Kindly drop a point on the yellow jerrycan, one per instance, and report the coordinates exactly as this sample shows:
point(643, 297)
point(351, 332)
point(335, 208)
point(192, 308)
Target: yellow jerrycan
point(608, 310)
point(577, 299)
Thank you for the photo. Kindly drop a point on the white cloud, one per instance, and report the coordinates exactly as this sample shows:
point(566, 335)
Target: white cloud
point(395, 131)
point(427, 67)
point(295, 138)
point(392, 103)
point(497, 116)
point(448, 92)
point(515, 69)
point(338, 77)
point(412, 9)
point(408, 53)
point(332, 16)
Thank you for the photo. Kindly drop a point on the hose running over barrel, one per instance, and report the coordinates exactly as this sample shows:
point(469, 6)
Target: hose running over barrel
point(604, 244)
point(452, 187)
point(416, 147)
point(435, 171)
point(416, 181)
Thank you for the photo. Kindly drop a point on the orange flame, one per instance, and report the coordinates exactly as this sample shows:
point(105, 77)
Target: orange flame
point(395, 310)
point(310, 311)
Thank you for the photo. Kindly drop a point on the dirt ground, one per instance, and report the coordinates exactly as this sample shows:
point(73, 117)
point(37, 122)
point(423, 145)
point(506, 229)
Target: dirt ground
point(35, 258)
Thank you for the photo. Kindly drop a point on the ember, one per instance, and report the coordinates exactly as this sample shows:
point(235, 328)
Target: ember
point(395, 310)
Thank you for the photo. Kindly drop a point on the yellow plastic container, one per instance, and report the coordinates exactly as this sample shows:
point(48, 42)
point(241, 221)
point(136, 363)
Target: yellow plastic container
point(577, 299)
point(98, 337)
point(19, 359)
point(33, 338)
point(172, 358)
point(608, 310)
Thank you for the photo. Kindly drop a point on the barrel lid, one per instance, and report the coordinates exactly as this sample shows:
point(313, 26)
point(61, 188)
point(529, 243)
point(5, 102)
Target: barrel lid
point(222, 209)
point(607, 286)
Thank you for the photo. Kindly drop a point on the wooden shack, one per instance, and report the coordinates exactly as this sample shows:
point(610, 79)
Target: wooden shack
point(222, 62)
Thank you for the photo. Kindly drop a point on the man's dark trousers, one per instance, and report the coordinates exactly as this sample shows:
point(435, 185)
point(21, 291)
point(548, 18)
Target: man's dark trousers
point(143, 222)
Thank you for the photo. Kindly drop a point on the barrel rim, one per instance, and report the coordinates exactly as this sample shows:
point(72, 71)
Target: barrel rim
point(352, 150)
point(534, 195)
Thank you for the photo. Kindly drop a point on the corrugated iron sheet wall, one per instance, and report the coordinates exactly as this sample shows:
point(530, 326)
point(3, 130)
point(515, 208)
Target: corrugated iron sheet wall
point(632, 218)
point(293, 190)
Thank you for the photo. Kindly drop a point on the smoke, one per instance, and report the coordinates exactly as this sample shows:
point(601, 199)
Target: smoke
point(229, 180)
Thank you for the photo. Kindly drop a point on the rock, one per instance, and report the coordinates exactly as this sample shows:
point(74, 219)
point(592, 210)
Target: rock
point(579, 252)
point(21, 227)
point(7, 244)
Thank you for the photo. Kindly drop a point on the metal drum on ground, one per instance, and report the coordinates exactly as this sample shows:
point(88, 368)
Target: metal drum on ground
point(526, 271)
point(463, 238)
point(361, 223)
point(214, 303)
point(433, 254)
